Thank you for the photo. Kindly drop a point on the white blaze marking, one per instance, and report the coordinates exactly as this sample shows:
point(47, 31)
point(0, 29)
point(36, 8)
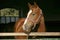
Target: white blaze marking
point(26, 18)
point(29, 12)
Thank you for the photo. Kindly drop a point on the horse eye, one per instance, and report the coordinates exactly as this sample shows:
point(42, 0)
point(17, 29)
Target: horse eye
point(33, 14)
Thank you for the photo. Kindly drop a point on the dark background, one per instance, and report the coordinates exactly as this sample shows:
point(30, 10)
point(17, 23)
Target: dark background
point(50, 8)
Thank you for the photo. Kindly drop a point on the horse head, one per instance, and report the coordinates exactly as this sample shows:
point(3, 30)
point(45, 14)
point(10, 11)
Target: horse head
point(32, 18)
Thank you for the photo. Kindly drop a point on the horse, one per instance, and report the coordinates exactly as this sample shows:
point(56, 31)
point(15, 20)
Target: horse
point(28, 24)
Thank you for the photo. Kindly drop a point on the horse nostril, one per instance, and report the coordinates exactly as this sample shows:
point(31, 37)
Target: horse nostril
point(26, 28)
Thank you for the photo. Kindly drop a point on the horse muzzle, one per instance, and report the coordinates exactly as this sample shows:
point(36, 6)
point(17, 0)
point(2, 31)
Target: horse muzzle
point(27, 27)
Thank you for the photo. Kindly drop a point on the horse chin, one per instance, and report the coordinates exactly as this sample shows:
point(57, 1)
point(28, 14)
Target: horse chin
point(27, 32)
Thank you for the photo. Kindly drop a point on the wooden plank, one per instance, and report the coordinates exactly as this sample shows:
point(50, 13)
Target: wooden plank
point(32, 34)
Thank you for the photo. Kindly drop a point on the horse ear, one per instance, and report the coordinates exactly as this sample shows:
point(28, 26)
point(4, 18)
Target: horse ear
point(29, 5)
point(35, 4)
